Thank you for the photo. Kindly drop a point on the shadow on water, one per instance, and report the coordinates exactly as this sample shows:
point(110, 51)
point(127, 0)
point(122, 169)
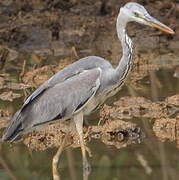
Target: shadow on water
point(134, 135)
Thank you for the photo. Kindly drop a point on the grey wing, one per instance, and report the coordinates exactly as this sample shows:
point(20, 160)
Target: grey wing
point(59, 101)
point(86, 63)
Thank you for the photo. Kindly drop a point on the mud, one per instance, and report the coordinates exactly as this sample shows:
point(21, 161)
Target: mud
point(163, 115)
point(9, 96)
point(40, 27)
point(128, 108)
point(116, 133)
point(37, 76)
point(4, 117)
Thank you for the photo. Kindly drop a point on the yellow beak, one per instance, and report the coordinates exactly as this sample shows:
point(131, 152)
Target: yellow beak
point(149, 20)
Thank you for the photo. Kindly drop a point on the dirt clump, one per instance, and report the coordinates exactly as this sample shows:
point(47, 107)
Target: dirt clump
point(119, 133)
point(116, 133)
point(167, 129)
point(9, 96)
point(135, 107)
point(4, 117)
point(38, 76)
point(164, 114)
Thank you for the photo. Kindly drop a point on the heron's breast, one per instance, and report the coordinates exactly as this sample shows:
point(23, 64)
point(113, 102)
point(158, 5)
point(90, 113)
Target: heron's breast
point(98, 100)
point(92, 105)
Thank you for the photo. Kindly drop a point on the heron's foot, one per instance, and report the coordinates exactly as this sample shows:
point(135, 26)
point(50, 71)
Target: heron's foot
point(86, 169)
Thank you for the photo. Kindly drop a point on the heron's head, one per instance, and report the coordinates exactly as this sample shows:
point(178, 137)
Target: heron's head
point(136, 12)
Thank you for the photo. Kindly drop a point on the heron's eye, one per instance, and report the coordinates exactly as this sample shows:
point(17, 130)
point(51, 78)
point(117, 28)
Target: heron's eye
point(136, 14)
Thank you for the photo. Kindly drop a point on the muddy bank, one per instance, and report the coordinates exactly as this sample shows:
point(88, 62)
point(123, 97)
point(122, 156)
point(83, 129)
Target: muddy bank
point(117, 133)
point(53, 28)
point(162, 115)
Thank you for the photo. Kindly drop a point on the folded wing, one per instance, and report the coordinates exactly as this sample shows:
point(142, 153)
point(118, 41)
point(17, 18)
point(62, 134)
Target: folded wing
point(61, 100)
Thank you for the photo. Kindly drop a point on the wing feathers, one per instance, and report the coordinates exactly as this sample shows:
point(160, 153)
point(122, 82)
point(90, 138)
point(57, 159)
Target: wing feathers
point(59, 101)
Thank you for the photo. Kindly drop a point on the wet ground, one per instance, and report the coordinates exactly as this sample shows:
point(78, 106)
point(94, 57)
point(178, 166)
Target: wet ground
point(136, 133)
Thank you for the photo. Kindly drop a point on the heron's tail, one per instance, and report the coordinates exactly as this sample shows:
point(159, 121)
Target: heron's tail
point(14, 130)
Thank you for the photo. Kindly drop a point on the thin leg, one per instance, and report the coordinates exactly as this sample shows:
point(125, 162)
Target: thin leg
point(78, 119)
point(55, 160)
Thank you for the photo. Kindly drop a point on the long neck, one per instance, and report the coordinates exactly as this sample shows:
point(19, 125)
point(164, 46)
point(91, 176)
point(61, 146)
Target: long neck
point(126, 62)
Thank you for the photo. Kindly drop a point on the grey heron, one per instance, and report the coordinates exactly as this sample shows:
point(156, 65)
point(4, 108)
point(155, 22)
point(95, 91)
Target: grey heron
point(81, 87)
